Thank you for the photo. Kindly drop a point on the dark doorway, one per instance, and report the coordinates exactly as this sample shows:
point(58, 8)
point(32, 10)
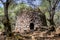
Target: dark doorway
point(32, 26)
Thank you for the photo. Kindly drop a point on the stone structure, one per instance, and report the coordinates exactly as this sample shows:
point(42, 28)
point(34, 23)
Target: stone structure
point(28, 21)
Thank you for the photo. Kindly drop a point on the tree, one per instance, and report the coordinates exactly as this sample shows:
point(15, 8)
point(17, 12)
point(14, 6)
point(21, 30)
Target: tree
point(51, 9)
point(6, 17)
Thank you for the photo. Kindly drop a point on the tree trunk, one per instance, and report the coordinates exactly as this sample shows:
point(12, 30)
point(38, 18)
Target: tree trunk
point(52, 17)
point(7, 22)
point(52, 21)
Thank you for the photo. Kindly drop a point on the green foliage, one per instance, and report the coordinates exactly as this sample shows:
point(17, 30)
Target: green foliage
point(1, 27)
point(1, 12)
point(1, 17)
point(44, 5)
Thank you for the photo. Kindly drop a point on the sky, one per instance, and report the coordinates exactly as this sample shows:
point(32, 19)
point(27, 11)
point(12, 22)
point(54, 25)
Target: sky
point(1, 5)
point(30, 2)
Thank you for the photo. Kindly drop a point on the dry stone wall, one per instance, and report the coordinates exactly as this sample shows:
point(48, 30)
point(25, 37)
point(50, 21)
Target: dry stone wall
point(23, 21)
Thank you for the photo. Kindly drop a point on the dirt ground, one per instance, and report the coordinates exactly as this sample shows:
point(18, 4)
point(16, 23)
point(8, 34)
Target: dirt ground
point(32, 36)
point(35, 35)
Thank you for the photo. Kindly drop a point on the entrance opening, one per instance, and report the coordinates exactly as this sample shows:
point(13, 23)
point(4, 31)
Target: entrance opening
point(32, 26)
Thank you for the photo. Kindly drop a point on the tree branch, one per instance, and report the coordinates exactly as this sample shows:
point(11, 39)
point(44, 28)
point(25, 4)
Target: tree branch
point(55, 4)
point(2, 1)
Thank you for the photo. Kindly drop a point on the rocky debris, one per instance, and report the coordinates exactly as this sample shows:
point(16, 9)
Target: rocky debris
point(2, 37)
point(35, 35)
